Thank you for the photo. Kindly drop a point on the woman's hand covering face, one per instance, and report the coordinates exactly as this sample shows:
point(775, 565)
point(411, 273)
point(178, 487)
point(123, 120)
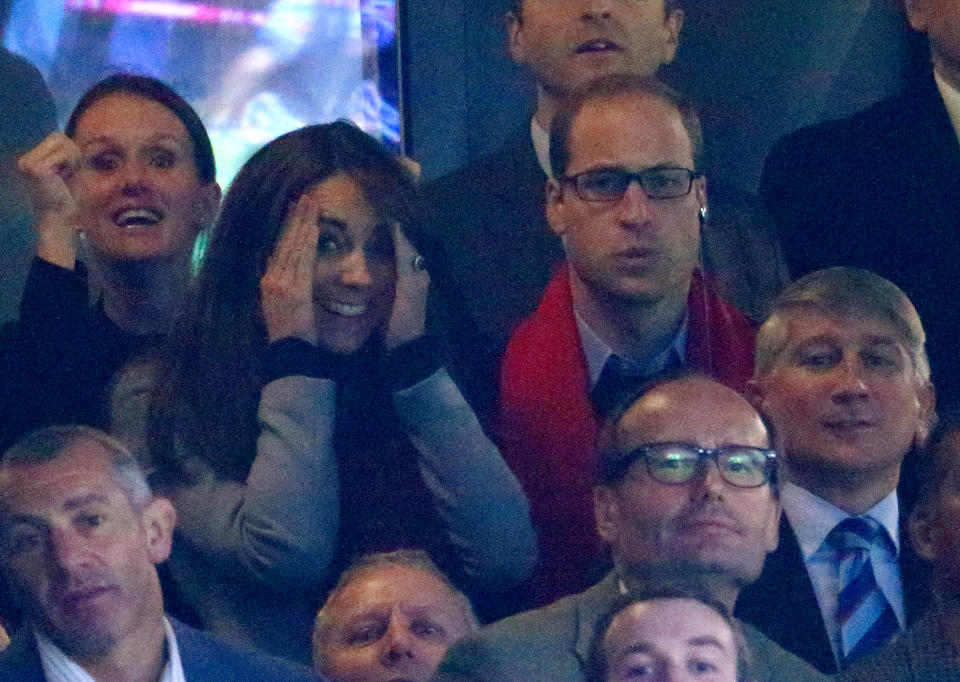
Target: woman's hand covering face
point(286, 289)
point(409, 314)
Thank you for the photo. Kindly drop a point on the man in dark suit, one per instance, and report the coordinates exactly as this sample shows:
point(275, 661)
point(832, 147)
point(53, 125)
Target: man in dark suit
point(842, 373)
point(80, 537)
point(881, 190)
point(488, 247)
point(683, 488)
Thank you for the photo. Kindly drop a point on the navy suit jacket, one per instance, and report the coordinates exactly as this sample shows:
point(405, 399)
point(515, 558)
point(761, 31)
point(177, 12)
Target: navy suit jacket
point(781, 603)
point(204, 658)
point(880, 190)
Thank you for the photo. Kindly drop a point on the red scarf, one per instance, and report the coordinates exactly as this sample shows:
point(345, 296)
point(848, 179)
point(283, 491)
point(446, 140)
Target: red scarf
point(548, 427)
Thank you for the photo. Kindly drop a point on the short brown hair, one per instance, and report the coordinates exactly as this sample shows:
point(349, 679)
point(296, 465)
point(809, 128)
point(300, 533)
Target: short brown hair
point(614, 87)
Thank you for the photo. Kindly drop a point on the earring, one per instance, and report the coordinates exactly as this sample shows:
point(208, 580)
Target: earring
point(703, 216)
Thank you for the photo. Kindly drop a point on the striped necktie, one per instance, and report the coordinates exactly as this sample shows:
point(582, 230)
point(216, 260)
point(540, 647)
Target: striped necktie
point(866, 618)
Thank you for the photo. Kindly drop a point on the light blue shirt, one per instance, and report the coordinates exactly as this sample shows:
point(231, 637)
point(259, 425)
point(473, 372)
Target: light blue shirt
point(596, 351)
point(58, 667)
point(812, 518)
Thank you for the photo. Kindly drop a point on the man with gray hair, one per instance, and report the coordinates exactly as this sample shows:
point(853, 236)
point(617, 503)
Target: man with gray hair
point(842, 373)
point(80, 538)
point(391, 615)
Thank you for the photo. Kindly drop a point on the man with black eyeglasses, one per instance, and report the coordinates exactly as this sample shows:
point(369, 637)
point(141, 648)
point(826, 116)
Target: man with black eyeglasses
point(842, 373)
point(628, 202)
point(685, 487)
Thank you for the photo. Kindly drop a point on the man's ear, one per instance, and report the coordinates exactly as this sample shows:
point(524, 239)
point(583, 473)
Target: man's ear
point(556, 207)
point(923, 527)
point(926, 412)
point(673, 22)
point(514, 25)
point(916, 15)
point(159, 519)
point(771, 534)
point(754, 393)
point(606, 511)
point(700, 190)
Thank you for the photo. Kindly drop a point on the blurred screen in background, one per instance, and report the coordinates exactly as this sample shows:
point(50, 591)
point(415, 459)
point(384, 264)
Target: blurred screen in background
point(253, 69)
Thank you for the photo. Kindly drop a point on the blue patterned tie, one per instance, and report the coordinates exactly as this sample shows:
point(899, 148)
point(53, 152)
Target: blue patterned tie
point(866, 618)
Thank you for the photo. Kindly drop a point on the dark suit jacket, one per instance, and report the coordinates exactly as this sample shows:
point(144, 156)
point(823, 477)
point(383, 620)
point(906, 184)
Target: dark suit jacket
point(923, 654)
point(490, 253)
point(204, 658)
point(880, 190)
point(781, 603)
point(552, 644)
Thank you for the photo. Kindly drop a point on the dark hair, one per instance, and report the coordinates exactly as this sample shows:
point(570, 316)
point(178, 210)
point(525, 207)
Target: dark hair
point(161, 93)
point(209, 400)
point(677, 588)
point(936, 458)
point(614, 87)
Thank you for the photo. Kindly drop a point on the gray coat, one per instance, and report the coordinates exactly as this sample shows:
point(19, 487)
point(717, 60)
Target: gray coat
point(552, 644)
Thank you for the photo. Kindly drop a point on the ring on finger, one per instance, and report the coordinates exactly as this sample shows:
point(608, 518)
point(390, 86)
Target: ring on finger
point(418, 263)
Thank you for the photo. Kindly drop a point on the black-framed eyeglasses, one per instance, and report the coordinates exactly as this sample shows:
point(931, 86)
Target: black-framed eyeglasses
point(609, 184)
point(742, 466)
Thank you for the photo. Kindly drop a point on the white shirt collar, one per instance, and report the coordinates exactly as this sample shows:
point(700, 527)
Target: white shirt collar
point(58, 667)
point(541, 145)
point(596, 351)
point(812, 518)
point(951, 100)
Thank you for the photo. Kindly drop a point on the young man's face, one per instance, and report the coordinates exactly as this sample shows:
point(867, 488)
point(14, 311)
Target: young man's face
point(635, 249)
point(77, 554)
point(569, 43)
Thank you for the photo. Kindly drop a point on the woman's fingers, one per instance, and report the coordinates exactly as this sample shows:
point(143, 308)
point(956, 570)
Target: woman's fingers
point(50, 166)
point(409, 314)
point(287, 286)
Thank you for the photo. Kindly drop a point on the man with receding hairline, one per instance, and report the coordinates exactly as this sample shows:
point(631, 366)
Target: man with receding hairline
point(80, 538)
point(391, 616)
point(685, 485)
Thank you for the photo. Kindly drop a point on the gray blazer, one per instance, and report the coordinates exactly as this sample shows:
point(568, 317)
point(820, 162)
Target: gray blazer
point(552, 644)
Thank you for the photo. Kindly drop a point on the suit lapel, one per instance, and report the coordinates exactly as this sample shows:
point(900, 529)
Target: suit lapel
point(594, 604)
point(781, 603)
point(21, 661)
